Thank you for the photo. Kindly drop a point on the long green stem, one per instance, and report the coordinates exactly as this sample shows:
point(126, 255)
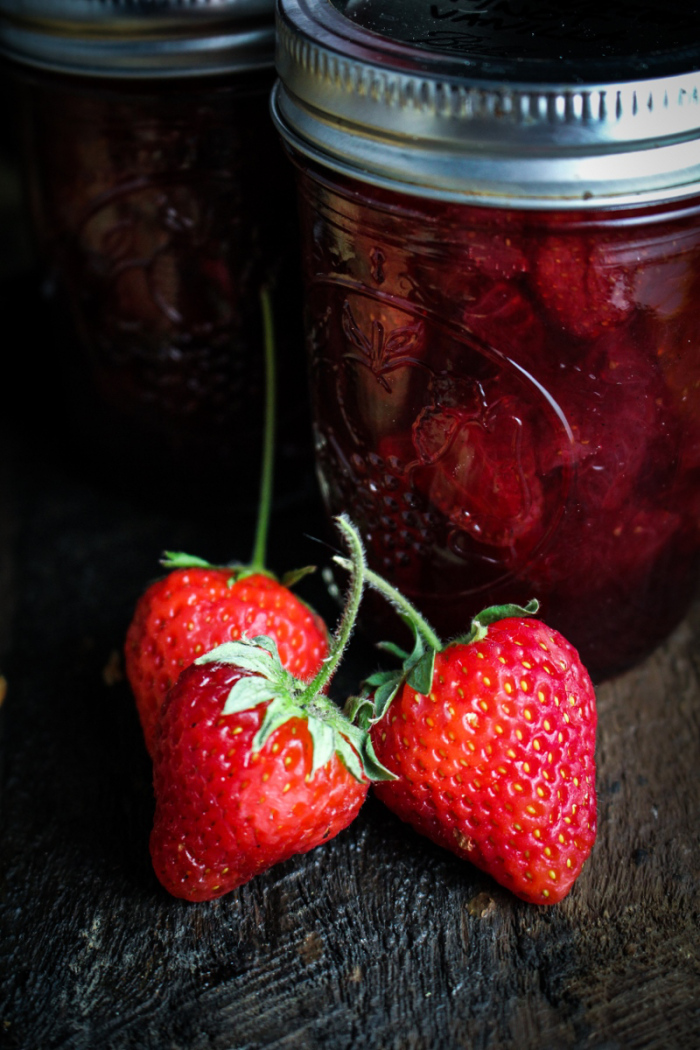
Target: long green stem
point(357, 567)
point(257, 561)
point(400, 603)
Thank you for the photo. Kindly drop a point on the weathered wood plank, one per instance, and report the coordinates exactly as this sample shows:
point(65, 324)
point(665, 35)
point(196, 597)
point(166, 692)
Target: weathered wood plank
point(377, 939)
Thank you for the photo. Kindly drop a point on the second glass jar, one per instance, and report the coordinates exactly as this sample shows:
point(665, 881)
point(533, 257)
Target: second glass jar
point(160, 203)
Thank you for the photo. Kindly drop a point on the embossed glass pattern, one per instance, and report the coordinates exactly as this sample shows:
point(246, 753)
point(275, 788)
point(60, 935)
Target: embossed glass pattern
point(508, 403)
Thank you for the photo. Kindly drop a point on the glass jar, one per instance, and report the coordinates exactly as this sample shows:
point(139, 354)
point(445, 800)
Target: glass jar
point(502, 289)
point(160, 202)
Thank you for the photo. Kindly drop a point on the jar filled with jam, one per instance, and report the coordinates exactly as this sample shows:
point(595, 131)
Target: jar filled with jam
point(160, 203)
point(501, 251)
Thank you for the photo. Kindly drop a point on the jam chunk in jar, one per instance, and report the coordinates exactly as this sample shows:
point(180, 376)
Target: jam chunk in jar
point(504, 355)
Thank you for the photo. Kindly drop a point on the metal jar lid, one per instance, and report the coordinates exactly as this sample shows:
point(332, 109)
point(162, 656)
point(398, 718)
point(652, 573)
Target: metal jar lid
point(139, 38)
point(539, 105)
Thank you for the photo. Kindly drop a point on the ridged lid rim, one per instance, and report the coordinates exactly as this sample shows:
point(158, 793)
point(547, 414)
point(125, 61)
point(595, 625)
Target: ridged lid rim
point(139, 38)
point(366, 106)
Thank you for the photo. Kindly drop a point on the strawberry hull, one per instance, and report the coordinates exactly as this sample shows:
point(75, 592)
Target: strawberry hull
point(512, 412)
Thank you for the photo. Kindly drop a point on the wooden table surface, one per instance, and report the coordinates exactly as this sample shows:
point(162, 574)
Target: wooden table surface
point(376, 940)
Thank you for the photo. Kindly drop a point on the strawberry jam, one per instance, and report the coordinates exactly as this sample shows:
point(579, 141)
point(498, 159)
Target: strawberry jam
point(507, 402)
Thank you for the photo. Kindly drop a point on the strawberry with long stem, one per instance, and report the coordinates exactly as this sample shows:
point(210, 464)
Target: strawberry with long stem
point(198, 606)
point(253, 765)
point(491, 738)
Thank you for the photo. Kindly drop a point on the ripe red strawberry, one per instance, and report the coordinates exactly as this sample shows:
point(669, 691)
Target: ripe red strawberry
point(193, 609)
point(231, 799)
point(492, 741)
point(252, 765)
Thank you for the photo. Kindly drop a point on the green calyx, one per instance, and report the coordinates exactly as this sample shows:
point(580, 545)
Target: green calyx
point(418, 666)
point(269, 682)
point(287, 697)
point(180, 560)
point(494, 613)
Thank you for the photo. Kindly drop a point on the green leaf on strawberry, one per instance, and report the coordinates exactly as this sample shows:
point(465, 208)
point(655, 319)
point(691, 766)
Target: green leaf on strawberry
point(266, 680)
point(418, 667)
point(180, 560)
point(269, 682)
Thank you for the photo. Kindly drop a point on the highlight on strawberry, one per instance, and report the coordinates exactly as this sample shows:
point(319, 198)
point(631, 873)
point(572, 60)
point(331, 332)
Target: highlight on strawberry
point(198, 606)
point(253, 765)
point(491, 738)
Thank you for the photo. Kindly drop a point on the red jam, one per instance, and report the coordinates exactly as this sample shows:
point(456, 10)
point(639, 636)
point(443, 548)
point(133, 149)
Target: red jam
point(159, 209)
point(507, 402)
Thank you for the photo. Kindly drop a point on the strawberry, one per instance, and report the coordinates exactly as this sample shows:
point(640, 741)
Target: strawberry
point(476, 460)
point(252, 765)
point(197, 606)
point(491, 739)
point(497, 256)
point(503, 319)
point(585, 285)
point(232, 798)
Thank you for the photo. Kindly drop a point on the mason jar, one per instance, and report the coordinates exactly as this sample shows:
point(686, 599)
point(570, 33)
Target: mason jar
point(160, 203)
point(500, 216)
